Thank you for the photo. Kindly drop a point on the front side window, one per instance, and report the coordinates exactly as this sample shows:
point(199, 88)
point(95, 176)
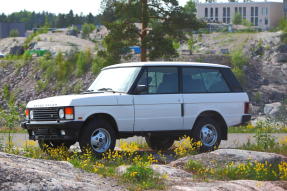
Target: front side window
point(160, 80)
point(115, 79)
point(203, 80)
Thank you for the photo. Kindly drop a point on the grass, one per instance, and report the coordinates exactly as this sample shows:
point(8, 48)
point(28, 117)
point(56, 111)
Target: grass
point(13, 130)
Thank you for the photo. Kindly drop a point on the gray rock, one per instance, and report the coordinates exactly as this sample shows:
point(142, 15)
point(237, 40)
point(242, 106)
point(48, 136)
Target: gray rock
point(281, 57)
point(237, 185)
point(165, 170)
point(25, 174)
point(170, 171)
point(222, 157)
point(272, 109)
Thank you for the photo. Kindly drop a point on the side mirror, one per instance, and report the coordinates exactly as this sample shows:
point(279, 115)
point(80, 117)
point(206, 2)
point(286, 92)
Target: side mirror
point(141, 89)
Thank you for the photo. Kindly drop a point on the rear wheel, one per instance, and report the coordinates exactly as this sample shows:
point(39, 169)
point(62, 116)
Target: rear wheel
point(45, 144)
point(159, 142)
point(98, 136)
point(208, 132)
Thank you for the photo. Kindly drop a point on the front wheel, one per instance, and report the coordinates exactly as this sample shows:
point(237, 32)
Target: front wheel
point(98, 137)
point(159, 142)
point(207, 131)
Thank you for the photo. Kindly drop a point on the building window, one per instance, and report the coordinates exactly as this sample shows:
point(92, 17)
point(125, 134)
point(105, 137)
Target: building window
point(206, 13)
point(216, 14)
point(236, 9)
point(266, 21)
point(244, 12)
point(228, 15)
point(254, 16)
point(224, 14)
point(211, 13)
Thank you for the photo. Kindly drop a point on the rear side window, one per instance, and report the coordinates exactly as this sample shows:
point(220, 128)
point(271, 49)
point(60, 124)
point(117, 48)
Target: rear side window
point(203, 80)
point(160, 80)
point(231, 80)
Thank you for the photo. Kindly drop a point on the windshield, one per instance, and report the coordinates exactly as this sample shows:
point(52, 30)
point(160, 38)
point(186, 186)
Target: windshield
point(115, 79)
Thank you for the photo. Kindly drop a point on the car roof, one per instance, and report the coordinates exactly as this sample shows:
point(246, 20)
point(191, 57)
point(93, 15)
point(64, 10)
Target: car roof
point(162, 63)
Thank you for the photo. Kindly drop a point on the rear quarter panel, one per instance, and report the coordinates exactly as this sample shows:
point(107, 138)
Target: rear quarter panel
point(229, 105)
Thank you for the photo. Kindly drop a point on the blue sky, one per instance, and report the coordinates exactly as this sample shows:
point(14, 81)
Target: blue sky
point(61, 6)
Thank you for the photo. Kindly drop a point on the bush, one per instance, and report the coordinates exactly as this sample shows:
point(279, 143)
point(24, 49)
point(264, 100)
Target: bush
point(237, 19)
point(238, 61)
point(87, 29)
point(14, 33)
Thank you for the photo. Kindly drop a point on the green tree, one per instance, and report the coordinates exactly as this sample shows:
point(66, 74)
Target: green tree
point(14, 33)
point(160, 23)
point(237, 19)
point(87, 29)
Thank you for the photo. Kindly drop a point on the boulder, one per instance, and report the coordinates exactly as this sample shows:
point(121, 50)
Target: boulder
point(272, 109)
point(282, 48)
point(165, 170)
point(222, 157)
point(12, 45)
point(21, 173)
point(281, 57)
point(236, 185)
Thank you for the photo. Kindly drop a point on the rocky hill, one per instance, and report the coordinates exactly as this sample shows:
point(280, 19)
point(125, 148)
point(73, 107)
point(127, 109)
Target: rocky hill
point(265, 73)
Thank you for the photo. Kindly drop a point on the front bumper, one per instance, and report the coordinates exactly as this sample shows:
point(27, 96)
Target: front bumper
point(53, 131)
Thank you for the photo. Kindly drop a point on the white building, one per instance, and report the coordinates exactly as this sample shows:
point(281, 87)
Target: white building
point(265, 15)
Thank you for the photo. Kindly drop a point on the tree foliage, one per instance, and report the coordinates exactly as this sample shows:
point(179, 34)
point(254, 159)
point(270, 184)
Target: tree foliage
point(36, 20)
point(14, 33)
point(87, 29)
point(151, 24)
point(237, 19)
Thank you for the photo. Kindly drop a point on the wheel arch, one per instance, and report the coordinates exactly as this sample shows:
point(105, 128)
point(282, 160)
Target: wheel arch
point(105, 116)
point(215, 115)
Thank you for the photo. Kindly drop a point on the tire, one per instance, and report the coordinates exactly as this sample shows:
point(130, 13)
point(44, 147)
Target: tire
point(208, 131)
point(98, 136)
point(159, 142)
point(45, 144)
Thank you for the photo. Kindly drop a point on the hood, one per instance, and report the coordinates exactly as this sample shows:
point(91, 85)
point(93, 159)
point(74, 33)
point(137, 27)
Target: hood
point(107, 98)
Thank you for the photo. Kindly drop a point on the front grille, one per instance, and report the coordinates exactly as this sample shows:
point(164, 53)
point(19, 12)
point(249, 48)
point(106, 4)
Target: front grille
point(46, 132)
point(45, 114)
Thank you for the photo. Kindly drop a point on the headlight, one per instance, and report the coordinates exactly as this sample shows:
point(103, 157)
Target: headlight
point(31, 114)
point(66, 113)
point(61, 114)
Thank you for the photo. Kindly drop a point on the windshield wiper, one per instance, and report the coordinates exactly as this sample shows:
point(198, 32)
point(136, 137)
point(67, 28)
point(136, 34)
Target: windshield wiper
point(90, 92)
point(108, 90)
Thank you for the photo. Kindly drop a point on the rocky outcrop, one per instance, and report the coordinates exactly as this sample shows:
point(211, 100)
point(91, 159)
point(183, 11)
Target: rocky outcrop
point(222, 157)
point(13, 46)
point(20, 173)
point(55, 43)
point(237, 185)
point(272, 109)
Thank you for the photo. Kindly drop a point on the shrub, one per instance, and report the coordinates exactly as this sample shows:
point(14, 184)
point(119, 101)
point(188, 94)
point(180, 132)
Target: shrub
point(238, 61)
point(14, 33)
point(87, 29)
point(237, 19)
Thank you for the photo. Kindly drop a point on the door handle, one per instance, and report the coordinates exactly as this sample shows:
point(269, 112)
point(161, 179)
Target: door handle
point(182, 109)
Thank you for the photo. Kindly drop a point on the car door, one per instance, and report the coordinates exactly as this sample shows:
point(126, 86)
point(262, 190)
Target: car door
point(159, 107)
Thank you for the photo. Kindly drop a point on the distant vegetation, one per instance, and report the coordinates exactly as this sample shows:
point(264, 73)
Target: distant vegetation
point(36, 20)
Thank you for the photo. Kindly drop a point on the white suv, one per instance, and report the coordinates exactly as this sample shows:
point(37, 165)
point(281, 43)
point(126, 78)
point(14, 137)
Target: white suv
point(161, 101)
